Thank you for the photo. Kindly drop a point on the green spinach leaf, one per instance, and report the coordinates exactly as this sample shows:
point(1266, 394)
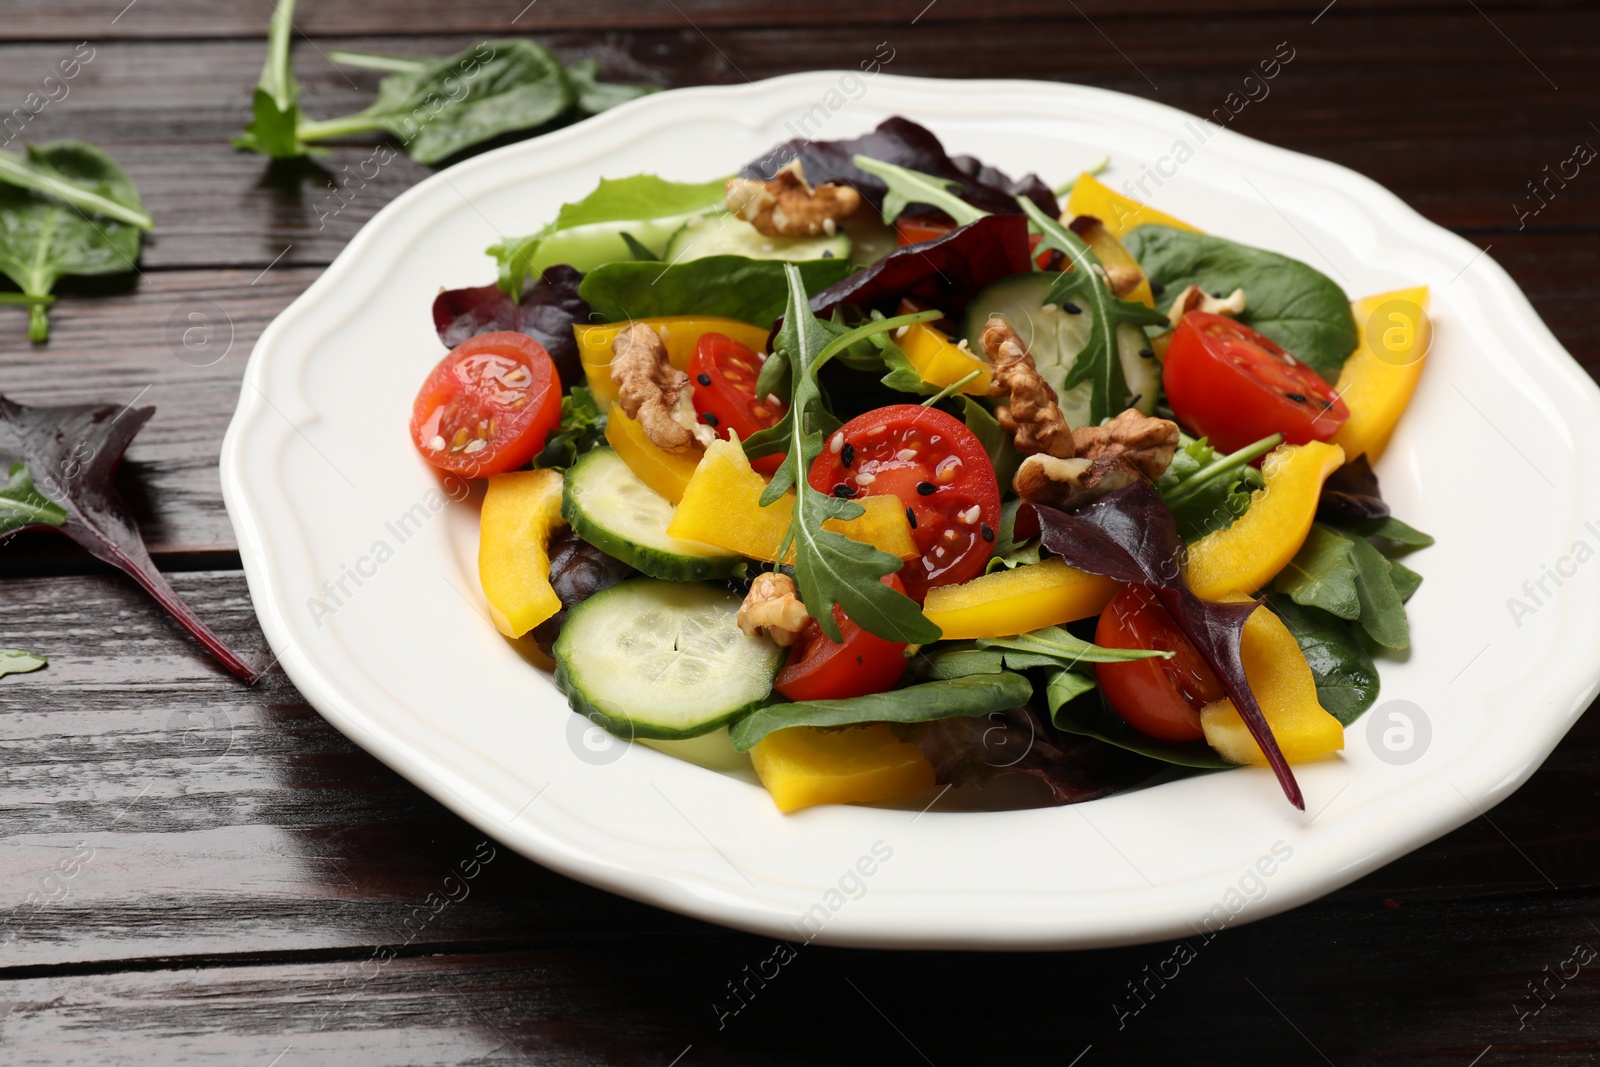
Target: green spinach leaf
point(977, 694)
point(1383, 609)
point(583, 426)
point(594, 95)
point(1323, 574)
point(1297, 306)
point(750, 290)
point(273, 129)
point(999, 444)
point(1406, 581)
point(16, 661)
point(1399, 537)
point(44, 238)
point(1347, 679)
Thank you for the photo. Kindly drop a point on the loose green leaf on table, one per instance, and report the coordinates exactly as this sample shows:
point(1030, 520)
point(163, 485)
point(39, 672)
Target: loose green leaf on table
point(750, 290)
point(594, 95)
point(22, 505)
point(976, 694)
point(1347, 679)
point(44, 238)
point(1294, 304)
point(274, 128)
point(17, 661)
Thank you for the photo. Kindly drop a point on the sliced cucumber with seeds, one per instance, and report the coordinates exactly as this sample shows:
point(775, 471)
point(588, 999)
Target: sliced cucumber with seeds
point(1055, 337)
point(726, 235)
point(612, 509)
point(648, 658)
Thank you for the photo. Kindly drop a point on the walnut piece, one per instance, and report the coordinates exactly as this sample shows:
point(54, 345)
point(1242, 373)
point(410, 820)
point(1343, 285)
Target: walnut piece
point(772, 606)
point(652, 391)
point(788, 206)
point(1194, 298)
point(1110, 457)
point(1031, 412)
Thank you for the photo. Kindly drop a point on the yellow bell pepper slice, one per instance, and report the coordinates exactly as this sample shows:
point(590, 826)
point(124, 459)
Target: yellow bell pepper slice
point(802, 767)
point(1249, 554)
point(1378, 379)
point(1090, 196)
point(1105, 245)
point(1283, 685)
point(1016, 601)
point(668, 473)
point(722, 506)
point(680, 333)
point(941, 363)
point(520, 511)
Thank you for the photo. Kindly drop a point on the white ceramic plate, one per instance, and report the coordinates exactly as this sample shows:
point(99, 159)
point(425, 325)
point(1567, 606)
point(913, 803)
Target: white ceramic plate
point(1497, 457)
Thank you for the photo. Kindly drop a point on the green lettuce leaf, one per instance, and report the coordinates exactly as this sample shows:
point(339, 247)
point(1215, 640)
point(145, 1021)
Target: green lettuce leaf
point(750, 290)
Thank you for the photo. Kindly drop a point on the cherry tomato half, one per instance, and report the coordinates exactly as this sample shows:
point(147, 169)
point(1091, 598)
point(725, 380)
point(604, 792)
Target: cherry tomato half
point(910, 230)
point(941, 473)
point(1158, 697)
point(820, 669)
point(1227, 382)
point(723, 373)
point(488, 406)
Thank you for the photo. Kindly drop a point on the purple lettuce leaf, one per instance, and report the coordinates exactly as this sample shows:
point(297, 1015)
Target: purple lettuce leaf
point(904, 143)
point(973, 750)
point(72, 453)
point(1351, 492)
point(945, 272)
point(1130, 535)
point(547, 312)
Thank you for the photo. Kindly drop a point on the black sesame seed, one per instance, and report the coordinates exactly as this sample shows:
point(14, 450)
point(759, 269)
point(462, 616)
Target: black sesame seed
point(1218, 295)
point(827, 253)
point(1156, 288)
point(710, 419)
point(927, 488)
point(703, 379)
point(847, 455)
point(911, 517)
point(1298, 398)
point(987, 531)
point(1070, 308)
point(1148, 353)
point(844, 492)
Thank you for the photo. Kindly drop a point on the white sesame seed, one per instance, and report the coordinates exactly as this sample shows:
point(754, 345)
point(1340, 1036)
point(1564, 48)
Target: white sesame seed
point(906, 455)
point(877, 431)
point(437, 444)
point(836, 443)
point(938, 553)
point(829, 227)
point(901, 332)
point(477, 444)
point(970, 516)
point(772, 398)
point(1051, 307)
point(962, 344)
point(866, 479)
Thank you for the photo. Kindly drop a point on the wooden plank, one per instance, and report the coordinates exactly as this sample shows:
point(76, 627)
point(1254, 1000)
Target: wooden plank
point(152, 807)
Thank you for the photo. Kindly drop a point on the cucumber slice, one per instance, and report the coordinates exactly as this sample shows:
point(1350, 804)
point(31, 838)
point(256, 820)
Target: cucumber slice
point(589, 246)
point(647, 658)
point(725, 235)
point(612, 509)
point(1054, 338)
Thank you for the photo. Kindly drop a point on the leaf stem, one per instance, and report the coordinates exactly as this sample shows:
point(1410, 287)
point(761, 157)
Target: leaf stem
point(378, 61)
point(14, 172)
point(1095, 169)
point(1192, 485)
point(953, 387)
point(277, 79)
point(323, 129)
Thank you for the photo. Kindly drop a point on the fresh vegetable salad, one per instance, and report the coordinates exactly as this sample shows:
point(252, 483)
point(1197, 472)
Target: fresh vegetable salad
point(897, 472)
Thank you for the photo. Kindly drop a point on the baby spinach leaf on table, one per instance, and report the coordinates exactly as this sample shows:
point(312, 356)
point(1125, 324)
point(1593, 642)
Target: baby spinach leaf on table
point(1074, 710)
point(274, 129)
point(87, 180)
point(44, 238)
point(582, 427)
point(1208, 491)
point(750, 290)
point(594, 95)
point(656, 206)
point(1322, 574)
point(547, 312)
point(904, 143)
point(1296, 305)
point(22, 506)
point(1383, 610)
point(1131, 536)
point(973, 695)
point(1084, 284)
point(17, 661)
point(1347, 679)
point(830, 568)
point(73, 452)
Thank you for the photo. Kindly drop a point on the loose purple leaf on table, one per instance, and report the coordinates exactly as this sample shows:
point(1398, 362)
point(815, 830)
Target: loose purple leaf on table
point(1130, 536)
point(547, 312)
point(70, 455)
point(905, 144)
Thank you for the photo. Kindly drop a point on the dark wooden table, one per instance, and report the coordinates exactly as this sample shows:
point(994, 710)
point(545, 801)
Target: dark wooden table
point(194, 871)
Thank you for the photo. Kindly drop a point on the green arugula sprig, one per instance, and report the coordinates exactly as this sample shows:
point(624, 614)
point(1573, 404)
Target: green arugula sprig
point(830, 568)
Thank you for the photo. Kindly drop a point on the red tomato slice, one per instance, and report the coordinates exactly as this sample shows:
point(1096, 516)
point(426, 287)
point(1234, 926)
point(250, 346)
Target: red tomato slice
point(1227, 382)
point(723, 373)
point(488, 406)
point(941, 473)
point(1161, 698)
point(820, 669)
point(910, 231)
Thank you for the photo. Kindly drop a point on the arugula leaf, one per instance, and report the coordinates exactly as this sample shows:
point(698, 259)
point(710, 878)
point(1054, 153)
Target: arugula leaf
point(1085, 285)
point(1208, 491)
point(1296, 305)
point(74, 450)
point(1347, 679)
point(1066, 648)
point(583, 426)
point(594, 95)
point(1074, 710)
point(907, 187)
point(22, 506)
point(17, 661)
point(1322, 574)
point(273, 131)
point(829, 568)
point(44, 238)
point(1383, 609)
point(976, 694)
point(750, 290)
